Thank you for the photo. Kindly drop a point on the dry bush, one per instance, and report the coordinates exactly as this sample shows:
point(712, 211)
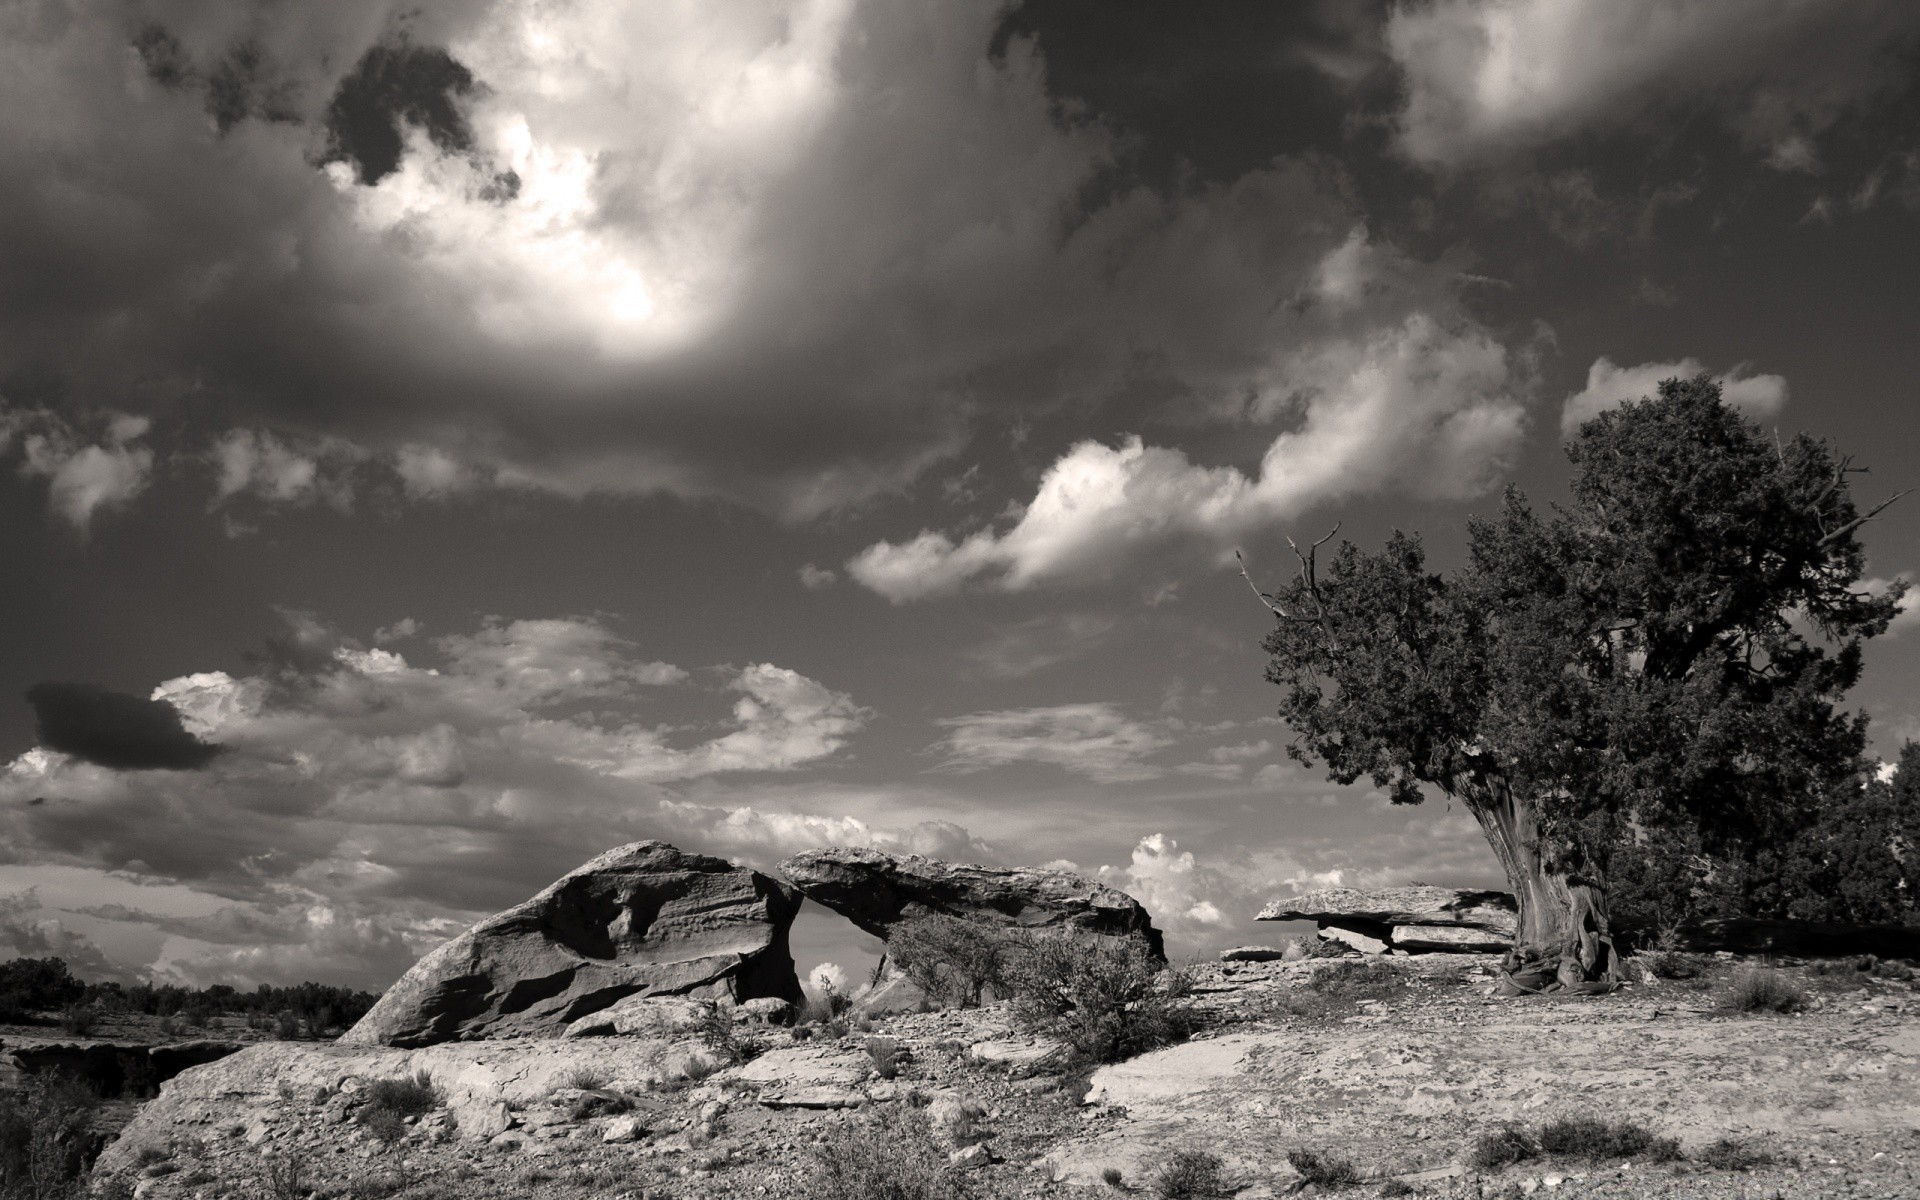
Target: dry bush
point(47, 1140)
point(890, 1155)
point(1592, 1138)
point(1323, 1169)
point(953, 961)
point(1726, 1154)
point(1106, 997)
point(1499, 1147)
point(1763, 989)
point(1190, 1173)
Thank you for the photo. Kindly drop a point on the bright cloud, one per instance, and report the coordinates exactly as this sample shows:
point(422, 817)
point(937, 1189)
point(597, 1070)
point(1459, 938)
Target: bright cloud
point(1417, 406)
point(1094, 740)
point(1759, 396)
point(1485, 77)
point(1173, 887)
point(83, 476)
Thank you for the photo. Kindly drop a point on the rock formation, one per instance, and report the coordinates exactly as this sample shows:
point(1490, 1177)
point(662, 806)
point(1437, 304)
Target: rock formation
point(876, 891)
point(643, 920)
point(1415, 919)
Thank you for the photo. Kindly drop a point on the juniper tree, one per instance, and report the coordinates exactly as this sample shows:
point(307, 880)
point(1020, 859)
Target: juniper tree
point(1664, 654)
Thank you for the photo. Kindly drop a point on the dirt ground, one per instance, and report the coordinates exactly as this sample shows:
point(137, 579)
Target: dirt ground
point(1399, 1069)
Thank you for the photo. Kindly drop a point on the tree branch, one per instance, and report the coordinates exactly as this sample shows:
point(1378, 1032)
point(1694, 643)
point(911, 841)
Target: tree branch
point(1869, 515)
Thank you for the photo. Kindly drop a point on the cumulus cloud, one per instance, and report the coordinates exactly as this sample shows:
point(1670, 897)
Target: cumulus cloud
point(348, 775)
point(1489, 77)
point(25, 932)
point(1759, 396)
point(1418, 406)
point(1094, 740)
point(83, 476)
point(1166, 879)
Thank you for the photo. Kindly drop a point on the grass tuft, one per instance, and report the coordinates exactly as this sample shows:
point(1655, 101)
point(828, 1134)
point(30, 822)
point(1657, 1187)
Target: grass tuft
point(1763, 989)
point(1728, 1154)
point(1190, 1173)
point(1323, 1169)
point(1500, 1147)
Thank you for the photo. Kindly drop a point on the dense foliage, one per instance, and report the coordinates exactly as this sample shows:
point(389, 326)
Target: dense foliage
point(1645, 679)
point(29, 986)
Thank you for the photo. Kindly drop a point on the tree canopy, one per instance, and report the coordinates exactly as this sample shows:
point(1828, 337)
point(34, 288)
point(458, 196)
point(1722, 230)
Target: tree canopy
point(1659, 662)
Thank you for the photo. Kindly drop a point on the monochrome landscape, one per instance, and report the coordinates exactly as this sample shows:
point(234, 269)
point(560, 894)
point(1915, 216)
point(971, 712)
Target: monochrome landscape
point(838, 599)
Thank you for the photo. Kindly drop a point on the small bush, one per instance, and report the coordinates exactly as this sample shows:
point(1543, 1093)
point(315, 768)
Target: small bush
point(287, 1177)
point(80, 1020)
point(1730, 1155)
point(403, 1097)
point(383, 1123)
point(891, 1155)
point(1592, 1138)
point(1672, 964)
point(1500, 1147)
point(1762, 989)
point(47, 1140)
point(1105, 997)
point(286, 1027)
point(1190, 1173)
point(1396, 1187)
point(1112, 1177)
point(884, 1053)
point(1323, 1169)
point(953, 961)
point(586, 1079)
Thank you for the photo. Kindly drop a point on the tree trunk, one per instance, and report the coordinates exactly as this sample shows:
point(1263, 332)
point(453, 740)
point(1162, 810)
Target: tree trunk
point(1563, 941)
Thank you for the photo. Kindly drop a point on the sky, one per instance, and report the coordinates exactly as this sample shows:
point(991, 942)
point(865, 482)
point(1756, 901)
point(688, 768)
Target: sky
point(442, 441)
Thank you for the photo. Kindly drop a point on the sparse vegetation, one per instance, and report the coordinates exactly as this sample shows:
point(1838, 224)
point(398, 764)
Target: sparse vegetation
point(1588, 1137)
point(80, 1020)
point(891, 1155)
point(1763, 989)
point(884, 1053)
point(1324, 1170)
point(954, 961)
point(1112, 1177)
point(47, 1140)
point(1500, 1147)
point(1190, 1173)
point(1107, 998)
point(286, 1177)
point(1728, 1154)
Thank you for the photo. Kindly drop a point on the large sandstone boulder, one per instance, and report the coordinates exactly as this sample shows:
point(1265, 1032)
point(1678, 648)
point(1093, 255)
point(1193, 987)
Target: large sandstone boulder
point(1416, 919)
point(643, 920)
point(876, 891)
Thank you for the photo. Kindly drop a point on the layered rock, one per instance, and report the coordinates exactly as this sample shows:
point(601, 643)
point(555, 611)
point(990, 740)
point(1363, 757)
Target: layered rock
point(876, 891)
point(644, 920)
point(1414, 919)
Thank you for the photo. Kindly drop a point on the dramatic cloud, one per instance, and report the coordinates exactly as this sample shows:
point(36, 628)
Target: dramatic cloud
point(1094, 740)
point(787, 254)
point(1489, 77)
point(1417, 407)
point(1174, 888)
point(24, 933)
point(1759, 396)
point(110, 729)
point(347, 774)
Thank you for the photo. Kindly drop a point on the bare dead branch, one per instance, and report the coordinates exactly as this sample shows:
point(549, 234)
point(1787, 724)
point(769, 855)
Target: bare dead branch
point(1272, 604)
point(1869, 515)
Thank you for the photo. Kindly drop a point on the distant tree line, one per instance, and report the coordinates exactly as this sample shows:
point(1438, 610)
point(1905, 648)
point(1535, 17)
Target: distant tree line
point(35, 987)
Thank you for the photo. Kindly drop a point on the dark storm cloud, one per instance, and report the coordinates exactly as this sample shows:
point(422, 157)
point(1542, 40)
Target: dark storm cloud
point(115, 730)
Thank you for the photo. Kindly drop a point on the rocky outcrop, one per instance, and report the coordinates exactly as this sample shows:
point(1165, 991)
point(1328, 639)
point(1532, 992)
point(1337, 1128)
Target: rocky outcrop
point(643, 920)
point(1414, 919)
point(876, 891)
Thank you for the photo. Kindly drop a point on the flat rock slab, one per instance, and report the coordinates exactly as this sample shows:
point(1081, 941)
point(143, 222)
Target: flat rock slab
point(876, 890)
point(1408, 1097)
point(813, 1098)
point(481, 1081)
point(1360, 940)
point(793, 1067)
point(1458, 938)
point(1017, 1052)
point(1422, 905)
point(644, 919)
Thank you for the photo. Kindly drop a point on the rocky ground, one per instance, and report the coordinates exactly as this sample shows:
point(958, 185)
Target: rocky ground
point(1397, 1065)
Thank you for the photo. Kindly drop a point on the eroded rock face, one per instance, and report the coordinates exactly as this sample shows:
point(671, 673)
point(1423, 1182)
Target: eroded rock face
point(644, 920)
point(1421, 905)
point(1418, 919)
point(876, 891)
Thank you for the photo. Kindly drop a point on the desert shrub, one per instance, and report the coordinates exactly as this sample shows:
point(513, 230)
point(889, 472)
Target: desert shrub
point(1323, 1169)
point(47, 1140)
point(1112, 1177)
point(951, 960)
point(1498, 1147)
point(80, 1020)
point(1672, 964)
point(1592, 1138)
point(391, 1101)
point(35, 985)
point(1106, 997)
point(891, 1155)
point(884, 1053)
point(286, 1177)
point(586, 1079)
point(1190, 1173)
point(1397, 1187)
point(823, 1008)
point(1762, 989)
point(1726, 1154)
point(286, 1026)
point(722, 1036)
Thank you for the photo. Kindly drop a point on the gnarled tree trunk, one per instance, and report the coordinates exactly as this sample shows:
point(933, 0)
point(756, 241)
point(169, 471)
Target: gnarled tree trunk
point(1563, 941)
